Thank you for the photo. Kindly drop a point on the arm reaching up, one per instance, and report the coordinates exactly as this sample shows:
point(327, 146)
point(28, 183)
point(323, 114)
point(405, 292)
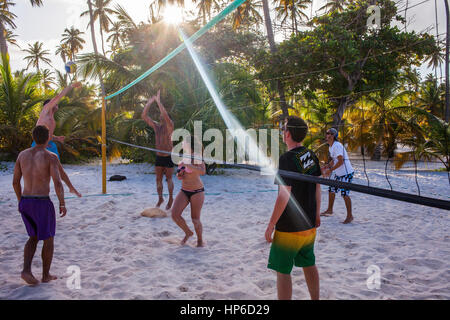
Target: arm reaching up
point(53, 102)
point(145, 116)
point(163, 110)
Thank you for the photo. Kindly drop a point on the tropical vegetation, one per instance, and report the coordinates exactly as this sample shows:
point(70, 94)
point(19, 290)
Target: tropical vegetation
point(328, 68)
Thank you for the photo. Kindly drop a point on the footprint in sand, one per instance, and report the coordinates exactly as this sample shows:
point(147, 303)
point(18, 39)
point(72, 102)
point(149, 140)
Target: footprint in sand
point(165, 295)
point(117, 271)
point(162, 234)
point(120, 251)
point(139, 263)
point(183, 288)
point(266, 284)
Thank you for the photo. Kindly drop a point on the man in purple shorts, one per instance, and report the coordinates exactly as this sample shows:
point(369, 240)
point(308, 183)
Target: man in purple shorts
point(37, 165)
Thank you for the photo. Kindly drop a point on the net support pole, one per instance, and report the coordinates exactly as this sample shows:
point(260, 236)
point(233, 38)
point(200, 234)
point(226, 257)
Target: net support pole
point(447, 46)
point(102, 87)
point(103, 145)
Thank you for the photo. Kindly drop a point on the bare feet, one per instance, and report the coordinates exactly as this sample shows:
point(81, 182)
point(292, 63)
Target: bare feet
point(169, 204)
point(326, 213)
point(161, 200)
point(48, 278)
point(348, 220)
point(200, 243)
point(185, 239)
point(74, 191)
point(29, 278)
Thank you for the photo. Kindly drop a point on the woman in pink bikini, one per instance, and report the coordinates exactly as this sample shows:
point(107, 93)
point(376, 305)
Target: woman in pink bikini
point(192, 190)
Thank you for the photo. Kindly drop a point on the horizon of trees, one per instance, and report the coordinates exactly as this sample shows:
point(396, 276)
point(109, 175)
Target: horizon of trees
point(329, 70)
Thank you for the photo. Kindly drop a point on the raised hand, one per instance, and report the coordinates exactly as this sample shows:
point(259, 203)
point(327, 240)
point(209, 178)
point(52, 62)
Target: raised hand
point(158, 97)
point(150, 101)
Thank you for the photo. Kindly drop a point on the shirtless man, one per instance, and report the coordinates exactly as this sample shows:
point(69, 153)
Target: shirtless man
point(47, 118)
point(36, 165)
point(163, 134)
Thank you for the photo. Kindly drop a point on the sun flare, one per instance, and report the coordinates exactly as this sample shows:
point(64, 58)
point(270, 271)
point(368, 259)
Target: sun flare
point(173, 14)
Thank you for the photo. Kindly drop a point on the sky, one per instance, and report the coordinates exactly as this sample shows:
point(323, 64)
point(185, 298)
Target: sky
point(47, 23)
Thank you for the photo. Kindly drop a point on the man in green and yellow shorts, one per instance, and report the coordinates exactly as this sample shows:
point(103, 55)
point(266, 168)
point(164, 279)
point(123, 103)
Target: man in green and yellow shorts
point(296, 214)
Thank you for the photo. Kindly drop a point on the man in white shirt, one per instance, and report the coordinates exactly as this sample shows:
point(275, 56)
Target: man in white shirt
point(340, 169)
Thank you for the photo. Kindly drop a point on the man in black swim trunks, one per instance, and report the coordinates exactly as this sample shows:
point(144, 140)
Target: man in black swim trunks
point(163, 141)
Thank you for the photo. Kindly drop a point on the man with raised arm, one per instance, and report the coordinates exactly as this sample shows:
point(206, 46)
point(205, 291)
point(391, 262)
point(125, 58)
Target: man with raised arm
point(163, 133)
point(47, 118)
point(37, 165)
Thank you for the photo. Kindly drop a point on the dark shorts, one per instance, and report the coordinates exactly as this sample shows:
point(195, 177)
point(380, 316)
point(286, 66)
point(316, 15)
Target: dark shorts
point(344, 192)
point(164, 162)
point(38, 214)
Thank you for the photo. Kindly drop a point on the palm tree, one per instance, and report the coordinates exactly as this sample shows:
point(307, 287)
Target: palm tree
point(116, 36)
point(387, 120)
point(124, 18)
point(7, 19)
point(430, 141)
point(63, 51)
point(430, 97)
point(436, 58)
point(100, 13)
point(292, 9)
point(249, 10)
point(334, 5)
point(19, 99)
point(204, 8)
point(163, 3)
point(273, 49)
point(72, 39)
point(103, 109)
point(127, 25)
point(62, 79)
point(10, 37)
point(47, 79)
point(37, 55)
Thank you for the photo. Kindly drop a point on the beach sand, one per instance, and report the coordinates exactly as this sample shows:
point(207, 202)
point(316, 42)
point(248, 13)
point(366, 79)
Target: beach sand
point(122, 255)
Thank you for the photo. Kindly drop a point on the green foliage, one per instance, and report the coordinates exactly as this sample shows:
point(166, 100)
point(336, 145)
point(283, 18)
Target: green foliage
point(19, 100)
point(333, 73)
point(342, 59)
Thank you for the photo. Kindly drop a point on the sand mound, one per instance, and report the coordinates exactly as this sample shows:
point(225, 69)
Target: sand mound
point(154, 213)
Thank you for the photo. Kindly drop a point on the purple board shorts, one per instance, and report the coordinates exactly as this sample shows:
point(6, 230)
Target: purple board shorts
point(38, 214)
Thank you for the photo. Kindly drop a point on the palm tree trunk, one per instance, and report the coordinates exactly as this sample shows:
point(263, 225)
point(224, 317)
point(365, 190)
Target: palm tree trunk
point(101, 36)
point(293, 21)
point(273, 49)
point(3, 44)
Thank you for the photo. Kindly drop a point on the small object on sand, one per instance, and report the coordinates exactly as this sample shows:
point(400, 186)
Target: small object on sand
point(154, 213)
point(117, 178)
